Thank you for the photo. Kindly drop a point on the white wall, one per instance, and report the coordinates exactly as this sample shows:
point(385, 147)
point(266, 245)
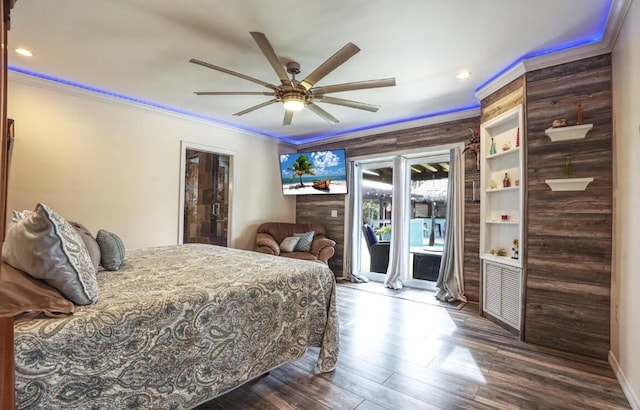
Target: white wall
point(116, 165)
point(625, 286)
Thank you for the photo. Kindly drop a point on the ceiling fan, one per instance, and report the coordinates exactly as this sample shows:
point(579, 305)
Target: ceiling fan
point(296, 95)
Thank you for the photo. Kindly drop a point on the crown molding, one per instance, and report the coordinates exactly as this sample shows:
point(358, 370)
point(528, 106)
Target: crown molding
point(121, 101)
point(436, 119)
point(616, 17)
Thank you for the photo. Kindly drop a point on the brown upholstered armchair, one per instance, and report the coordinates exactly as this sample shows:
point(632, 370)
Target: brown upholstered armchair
point(271, 234)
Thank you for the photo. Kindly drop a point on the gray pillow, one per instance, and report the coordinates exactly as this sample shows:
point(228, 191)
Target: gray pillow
point(304, 244)
point(89, 241)
point(111, 249)
point(289, 243)
point(44, 245)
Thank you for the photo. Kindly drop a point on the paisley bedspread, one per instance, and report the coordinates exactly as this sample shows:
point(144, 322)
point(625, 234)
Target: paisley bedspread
point(175, 327)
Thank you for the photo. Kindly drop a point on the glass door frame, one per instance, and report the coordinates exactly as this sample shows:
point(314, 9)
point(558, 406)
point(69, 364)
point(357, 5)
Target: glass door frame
point(362, 165)
point(430, 157)
point(356, 208)
point(184, 146)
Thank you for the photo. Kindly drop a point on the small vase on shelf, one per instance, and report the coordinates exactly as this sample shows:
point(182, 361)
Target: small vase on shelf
point(568, 167)
point(579, 115)
point(506, 182)
point(492, 150)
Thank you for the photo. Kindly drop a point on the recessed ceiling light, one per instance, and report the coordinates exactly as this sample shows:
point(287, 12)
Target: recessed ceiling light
point(24, 52)
point(463, 74)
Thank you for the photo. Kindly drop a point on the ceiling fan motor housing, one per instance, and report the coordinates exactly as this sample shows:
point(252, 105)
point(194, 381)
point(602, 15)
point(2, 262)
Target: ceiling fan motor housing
point(293, 68)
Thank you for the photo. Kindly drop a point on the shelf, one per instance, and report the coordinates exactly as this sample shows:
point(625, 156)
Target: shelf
point(568, 184)
point(509, 188)
point(505, 260)
point(502, 222)
point(503, 153)
point(574, 132)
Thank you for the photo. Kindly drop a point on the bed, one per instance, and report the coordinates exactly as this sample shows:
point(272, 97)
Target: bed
point(175, 327)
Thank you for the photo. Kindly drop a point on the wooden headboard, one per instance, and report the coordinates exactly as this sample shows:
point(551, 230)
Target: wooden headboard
point(7, 363)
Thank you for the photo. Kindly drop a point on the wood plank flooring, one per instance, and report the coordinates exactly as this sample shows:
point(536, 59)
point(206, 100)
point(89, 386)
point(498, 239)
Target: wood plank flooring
point(402, 354)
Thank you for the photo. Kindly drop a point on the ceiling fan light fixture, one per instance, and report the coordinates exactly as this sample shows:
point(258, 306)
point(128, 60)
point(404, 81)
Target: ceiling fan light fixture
point(293, 102)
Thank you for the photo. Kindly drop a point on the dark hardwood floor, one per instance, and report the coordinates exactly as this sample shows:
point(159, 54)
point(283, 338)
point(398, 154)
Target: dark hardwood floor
point(401, 354)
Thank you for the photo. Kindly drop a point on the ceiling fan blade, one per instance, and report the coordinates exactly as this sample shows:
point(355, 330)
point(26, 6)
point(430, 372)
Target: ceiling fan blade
point(233, 93)
point(322, 113)
point(333, 62)
point(271, 55)
point(230, 72)
point(359, 85)
point(348, 103)
point(255, 107)
point(288, 116)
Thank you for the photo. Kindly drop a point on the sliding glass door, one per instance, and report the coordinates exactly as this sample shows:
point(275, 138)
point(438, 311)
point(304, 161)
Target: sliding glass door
point(429, 176)
point(376, 202)
point(426, 183)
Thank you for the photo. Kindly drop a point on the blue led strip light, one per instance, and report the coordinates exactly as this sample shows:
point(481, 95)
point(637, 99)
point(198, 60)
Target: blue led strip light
point(147, 103)
point(600, 30)
point(387, 123)
point(565, 46)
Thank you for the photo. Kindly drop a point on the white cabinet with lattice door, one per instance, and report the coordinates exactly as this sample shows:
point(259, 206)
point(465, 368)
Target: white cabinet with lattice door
point(502, 290)
point(502, 186)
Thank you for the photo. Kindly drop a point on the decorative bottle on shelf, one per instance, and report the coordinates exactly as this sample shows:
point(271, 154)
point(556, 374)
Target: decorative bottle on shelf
point(506, 182)
point(568, 167)
point(492, 150)
point(579, 116)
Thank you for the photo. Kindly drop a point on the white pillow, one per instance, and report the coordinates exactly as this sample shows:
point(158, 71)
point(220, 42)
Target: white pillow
point(289, 243)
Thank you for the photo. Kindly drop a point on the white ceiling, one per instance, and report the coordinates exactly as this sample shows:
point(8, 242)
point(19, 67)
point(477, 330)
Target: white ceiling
point(141, 49)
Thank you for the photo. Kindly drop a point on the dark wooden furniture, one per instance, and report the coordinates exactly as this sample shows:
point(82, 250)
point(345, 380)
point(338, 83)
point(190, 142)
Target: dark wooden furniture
point(7, 391)
point(426, 265)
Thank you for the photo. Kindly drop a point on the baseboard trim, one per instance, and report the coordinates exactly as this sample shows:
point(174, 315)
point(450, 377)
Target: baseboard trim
point(624, 383)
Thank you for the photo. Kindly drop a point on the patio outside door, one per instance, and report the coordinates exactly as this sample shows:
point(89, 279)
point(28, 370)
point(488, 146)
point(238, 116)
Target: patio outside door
point(206, 197)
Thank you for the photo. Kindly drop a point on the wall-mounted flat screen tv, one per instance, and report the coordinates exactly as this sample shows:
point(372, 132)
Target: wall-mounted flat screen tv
point(314, 172)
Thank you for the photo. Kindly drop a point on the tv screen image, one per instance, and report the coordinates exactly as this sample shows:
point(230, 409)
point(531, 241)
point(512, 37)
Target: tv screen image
point(314, 172)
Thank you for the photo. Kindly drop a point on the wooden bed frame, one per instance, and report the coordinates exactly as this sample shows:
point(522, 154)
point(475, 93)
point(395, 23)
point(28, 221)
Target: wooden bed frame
point(7, 390)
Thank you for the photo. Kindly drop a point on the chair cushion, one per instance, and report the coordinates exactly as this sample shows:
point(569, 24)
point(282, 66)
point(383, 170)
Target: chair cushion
point(372, 238)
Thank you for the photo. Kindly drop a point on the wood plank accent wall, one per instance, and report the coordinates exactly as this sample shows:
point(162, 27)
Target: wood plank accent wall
point(317, 208)
point(569, 234)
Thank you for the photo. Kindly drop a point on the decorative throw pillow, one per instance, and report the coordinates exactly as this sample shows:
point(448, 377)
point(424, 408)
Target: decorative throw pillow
point(304, 244)
point(89, 241)
point(24, 297)
point(111, 249)
point(289, 243)
point(44, 245)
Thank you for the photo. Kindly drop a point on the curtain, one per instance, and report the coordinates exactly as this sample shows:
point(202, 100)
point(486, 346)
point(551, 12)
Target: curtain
point(398, 266)
point(354, 224)
point(450, 284)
